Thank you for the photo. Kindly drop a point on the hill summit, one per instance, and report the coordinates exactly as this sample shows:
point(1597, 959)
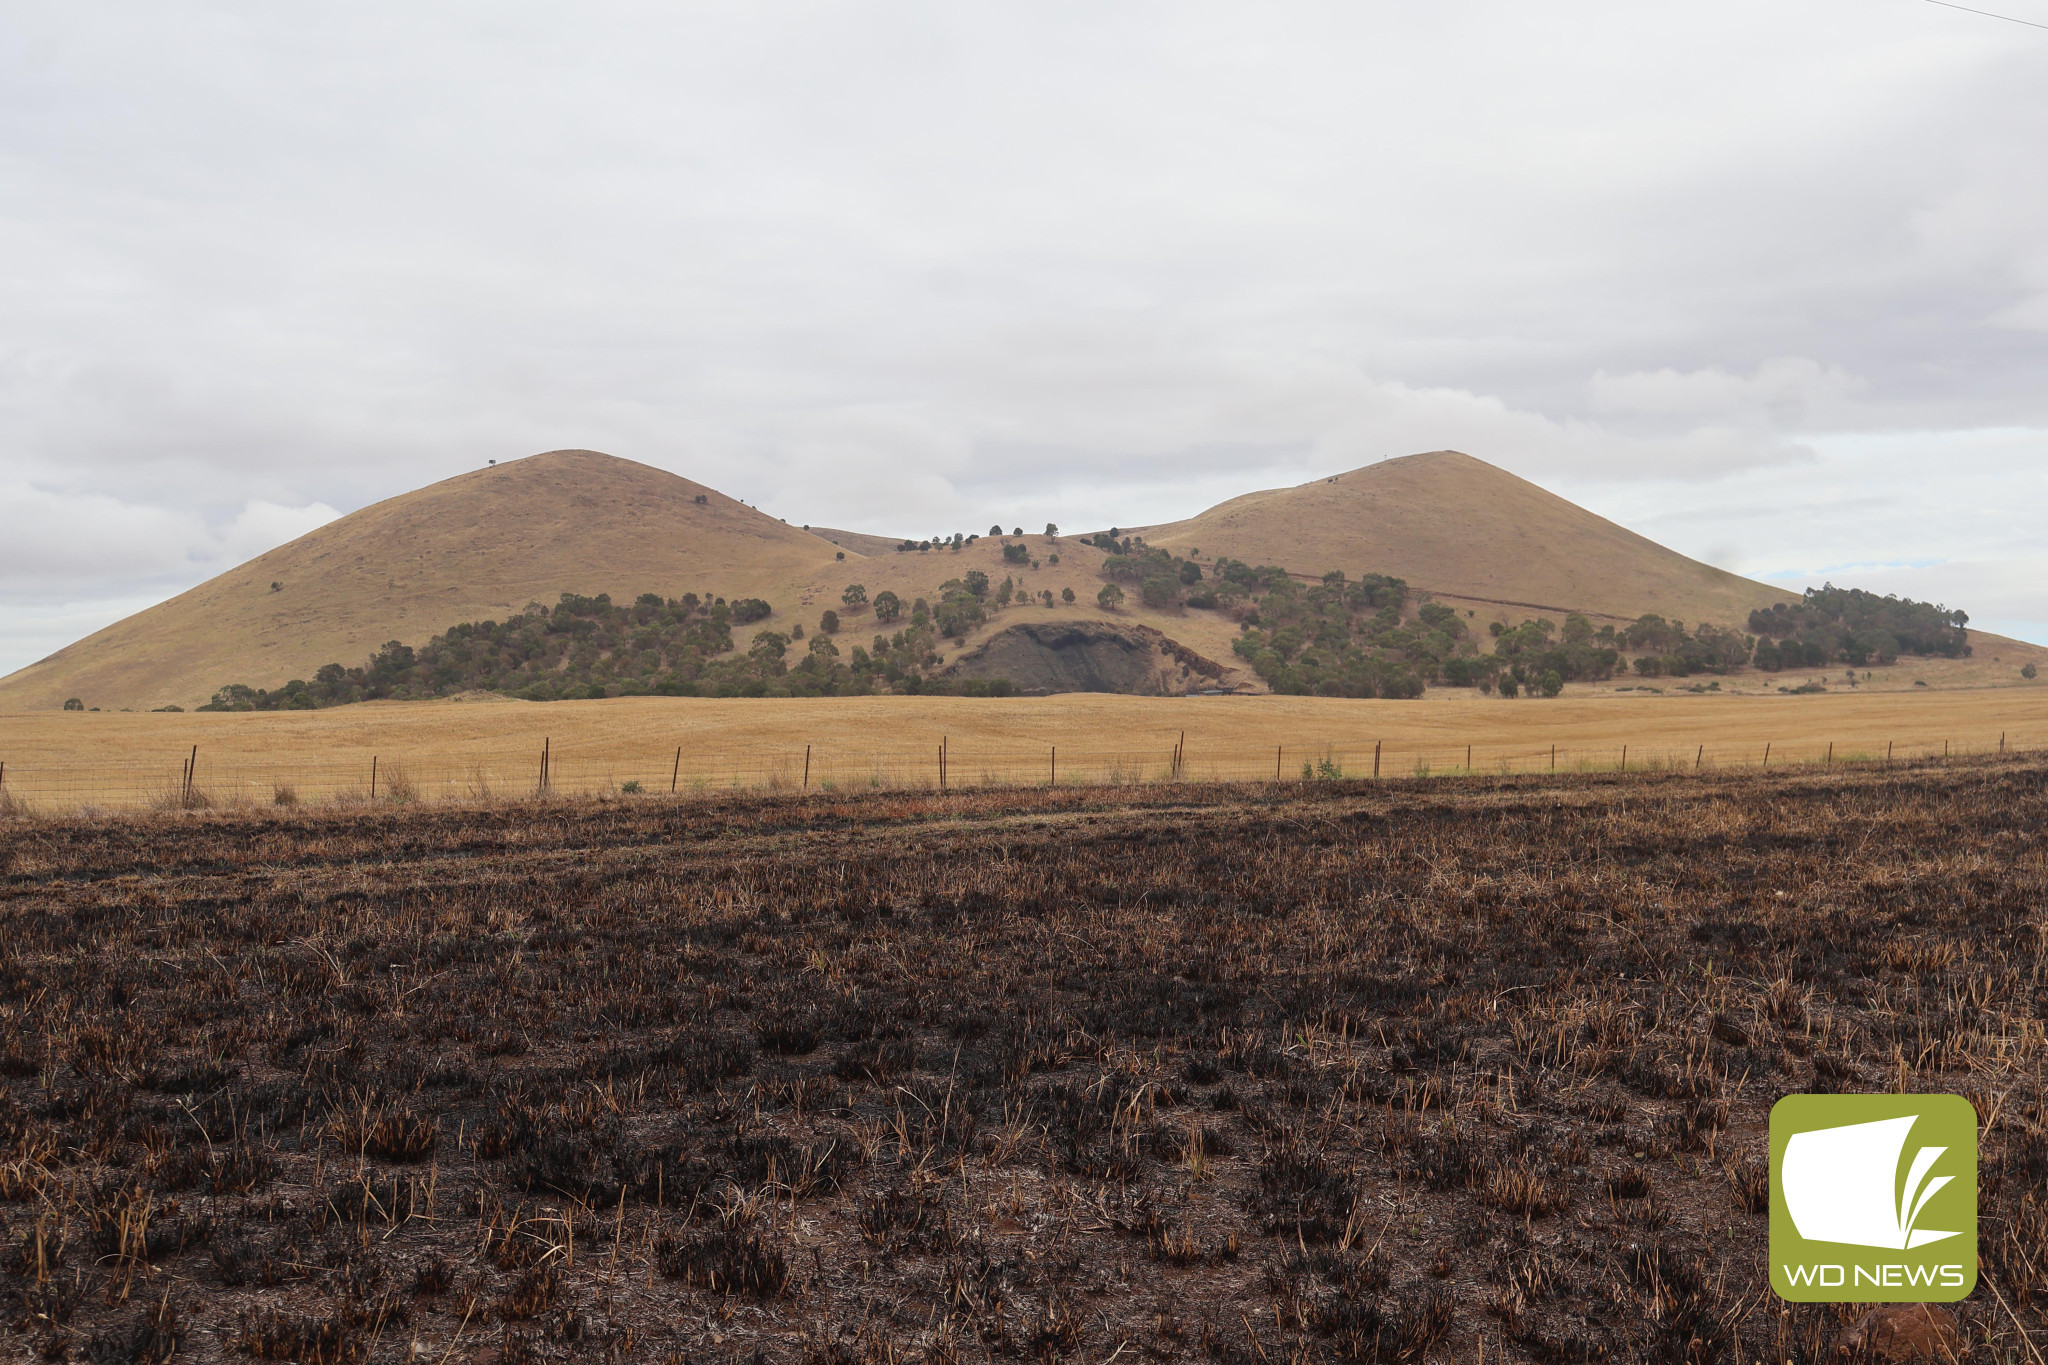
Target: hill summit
point(1461, 528)
point(486, 544)
point(480, 545)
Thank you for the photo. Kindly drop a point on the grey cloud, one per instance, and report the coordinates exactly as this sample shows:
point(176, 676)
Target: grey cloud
point(903, 265)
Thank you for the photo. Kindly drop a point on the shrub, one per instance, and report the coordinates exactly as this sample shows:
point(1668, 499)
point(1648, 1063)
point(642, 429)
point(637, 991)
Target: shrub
point(829, 622)
point(73, 704)
point(1016, 553)
point(747, 610)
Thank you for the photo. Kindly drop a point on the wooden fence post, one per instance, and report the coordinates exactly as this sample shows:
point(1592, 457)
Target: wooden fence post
point(2001, 744)
point(1767, 755)
point(1055, 765)
point(807, 767)
point(1468, 760)
point(191, 771)
point(1376, 759)
point(1624, 758)
point(1699, 758)
point(673, 776)
point(373, 777)
point(1276, 762)
point(1553, 758)
point(1831, 754)
point(1888, 749)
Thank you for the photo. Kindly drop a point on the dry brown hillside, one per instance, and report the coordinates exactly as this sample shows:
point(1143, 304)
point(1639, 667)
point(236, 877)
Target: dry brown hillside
point(484, 544)
point(1461, 528)
point(480, 545)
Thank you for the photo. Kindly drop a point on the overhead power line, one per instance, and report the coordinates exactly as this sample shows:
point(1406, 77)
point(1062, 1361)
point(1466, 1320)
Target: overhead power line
point(1987, 14)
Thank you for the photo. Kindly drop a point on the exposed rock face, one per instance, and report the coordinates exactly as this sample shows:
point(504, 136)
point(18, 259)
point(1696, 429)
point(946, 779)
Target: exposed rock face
point(1090, 656)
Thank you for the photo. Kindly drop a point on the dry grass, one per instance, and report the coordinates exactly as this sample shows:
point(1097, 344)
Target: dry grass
point(1338, 1071)
point(468, 751)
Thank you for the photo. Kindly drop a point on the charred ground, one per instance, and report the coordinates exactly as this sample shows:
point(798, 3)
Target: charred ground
point(1319, 1071)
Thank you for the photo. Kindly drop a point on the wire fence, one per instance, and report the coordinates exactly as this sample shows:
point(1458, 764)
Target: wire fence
point(197, 779)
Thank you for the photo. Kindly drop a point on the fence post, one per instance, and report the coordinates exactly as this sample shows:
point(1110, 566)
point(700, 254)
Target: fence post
point(1624, 758)
point(1055, 765)
point(1699, 758)
point(373, 777)
point(1376, 759)
point(807, 767)
point(2001, 744)
point(1468, 760)
point(1831, 754)
point(1888, 749)
point(1553, 758)
point(1276, 762)
point(678, 771)
point(1767, 755)
point(191, 771)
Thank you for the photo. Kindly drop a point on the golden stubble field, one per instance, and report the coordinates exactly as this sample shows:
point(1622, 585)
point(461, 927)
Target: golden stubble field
point(493, 748)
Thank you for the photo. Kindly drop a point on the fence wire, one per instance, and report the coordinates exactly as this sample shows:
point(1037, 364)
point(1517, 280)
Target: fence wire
point(196, 781)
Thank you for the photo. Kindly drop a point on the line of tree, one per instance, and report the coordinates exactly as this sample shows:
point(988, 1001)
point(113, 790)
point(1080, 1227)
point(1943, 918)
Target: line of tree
point(1336, 638)
point(1850, 625)
point(588, 647)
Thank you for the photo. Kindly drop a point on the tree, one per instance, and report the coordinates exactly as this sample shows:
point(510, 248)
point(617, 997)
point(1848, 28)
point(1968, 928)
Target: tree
point(856, 595)
point(888, 606)
point(1018, 532)
point(995, 530)
point(1051, 530)
point(1110, 598)
point(1509, 686)
point(1066, 594)
point(2029, 672)
point(73, 704)
point(1551, 683)
point(977, 582)
point(829, 623)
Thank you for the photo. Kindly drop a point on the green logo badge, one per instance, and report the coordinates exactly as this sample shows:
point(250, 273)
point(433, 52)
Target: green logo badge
point(1873, 1198)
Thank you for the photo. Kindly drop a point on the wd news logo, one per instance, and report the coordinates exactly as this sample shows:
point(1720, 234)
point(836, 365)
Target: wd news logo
point(1873, 1198)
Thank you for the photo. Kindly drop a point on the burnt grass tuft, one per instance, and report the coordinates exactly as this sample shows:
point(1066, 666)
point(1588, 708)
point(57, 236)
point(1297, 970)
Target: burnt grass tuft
point(1337, 1071)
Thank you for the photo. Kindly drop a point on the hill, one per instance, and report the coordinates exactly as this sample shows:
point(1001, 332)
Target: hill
point(1460, 528)
point(480, 545)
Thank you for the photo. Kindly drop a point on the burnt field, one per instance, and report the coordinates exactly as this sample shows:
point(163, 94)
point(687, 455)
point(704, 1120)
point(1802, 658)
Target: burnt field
point(1472, 1069)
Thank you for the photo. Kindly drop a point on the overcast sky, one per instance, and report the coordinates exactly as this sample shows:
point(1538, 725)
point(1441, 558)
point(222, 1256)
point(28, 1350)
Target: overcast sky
point(1765, 281)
